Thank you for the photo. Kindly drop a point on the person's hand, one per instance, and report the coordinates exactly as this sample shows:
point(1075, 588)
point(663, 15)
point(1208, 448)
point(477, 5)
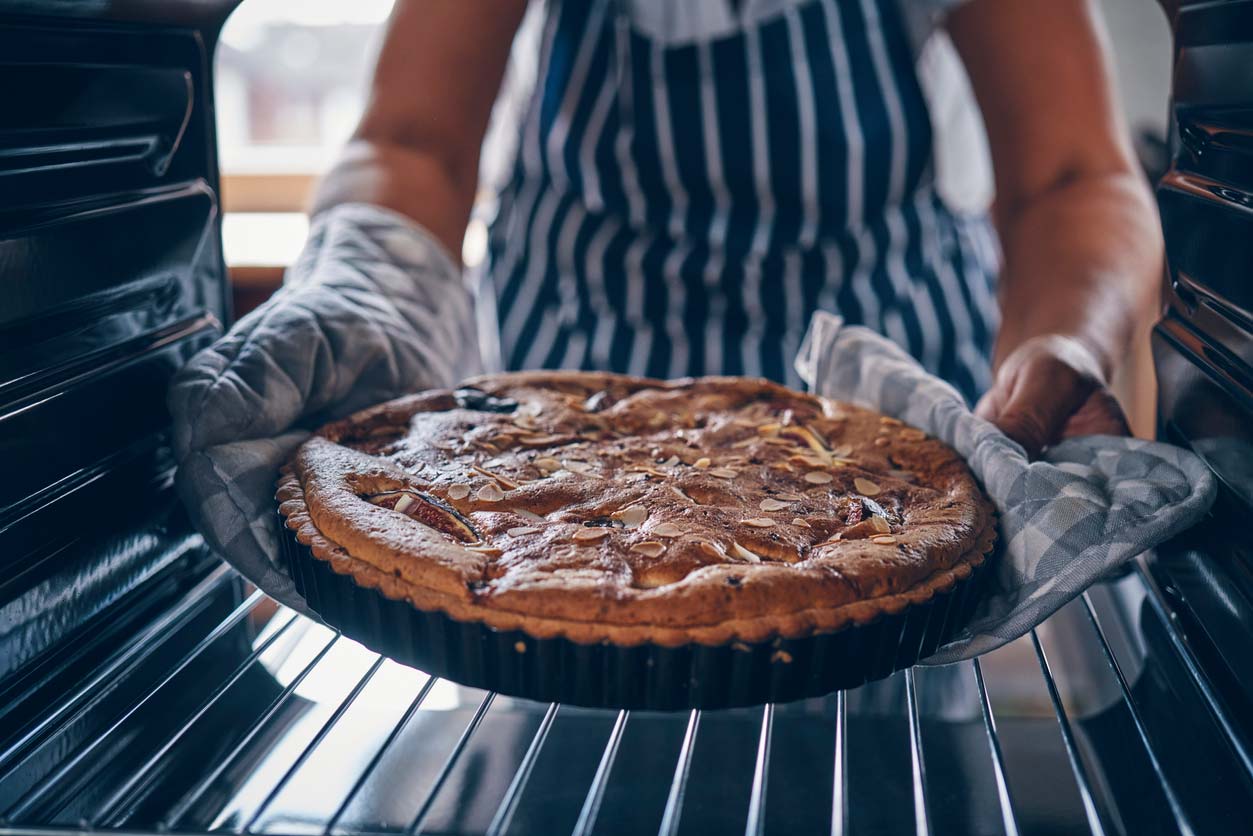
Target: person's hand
point(371, 310)
point(1050, 388)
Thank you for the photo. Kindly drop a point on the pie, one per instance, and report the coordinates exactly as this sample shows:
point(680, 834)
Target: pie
point(606, 508)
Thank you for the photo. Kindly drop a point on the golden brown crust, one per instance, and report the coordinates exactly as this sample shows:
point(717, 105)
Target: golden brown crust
point(607, 508)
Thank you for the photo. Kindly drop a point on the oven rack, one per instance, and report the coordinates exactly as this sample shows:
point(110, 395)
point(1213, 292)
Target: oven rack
point(228, 714)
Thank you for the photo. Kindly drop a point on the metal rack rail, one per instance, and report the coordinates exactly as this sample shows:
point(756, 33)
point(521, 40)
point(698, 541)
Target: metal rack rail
point(267, 723)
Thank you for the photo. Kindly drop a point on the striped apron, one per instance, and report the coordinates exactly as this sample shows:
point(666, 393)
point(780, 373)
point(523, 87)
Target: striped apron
point(684, 210)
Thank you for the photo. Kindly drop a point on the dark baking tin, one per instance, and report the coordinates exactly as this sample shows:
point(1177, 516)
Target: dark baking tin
point(643, 677)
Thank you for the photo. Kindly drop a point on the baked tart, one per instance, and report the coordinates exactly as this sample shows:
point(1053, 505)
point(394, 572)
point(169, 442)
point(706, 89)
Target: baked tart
point(598, 510)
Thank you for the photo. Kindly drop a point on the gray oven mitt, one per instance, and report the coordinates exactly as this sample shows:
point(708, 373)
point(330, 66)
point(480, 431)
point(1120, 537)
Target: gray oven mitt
point(1091, 504)
point(372, 309)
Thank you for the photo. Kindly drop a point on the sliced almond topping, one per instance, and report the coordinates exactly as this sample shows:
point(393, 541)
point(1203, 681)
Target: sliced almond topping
point(702, 462)
point(801, 523)
point(784, 466)
point(903, 475)
point(817, 477)
point(635, 477)
point(808, 460)
point(522, 529)
point(759, 522)
point(682, 495)
point(539, 440)
point(404, 502)
point(672, 461)
point(912, 434)
point(458, 491)
point(647, 471)
point(882, 442)
point(723, 473)
point(843, 451)
point(490, 493)
point(808, 436)
point(769, 429)
point(505, 482)
point(711, 550)
point(526, 422)
point(883, 540)
point(745, 554)
point(575, 466)
point(586, 534)
point(547, 464)
point(485, 549)
point(891, 422)
point(649, 548)
point(771, 504)
point(743, 442)
point(781, 656)
point(632, 517)
point(527, 514)
point(872, 526)
point(778, 442)
point(668, 529)
point(865, 487)
point(788, 497)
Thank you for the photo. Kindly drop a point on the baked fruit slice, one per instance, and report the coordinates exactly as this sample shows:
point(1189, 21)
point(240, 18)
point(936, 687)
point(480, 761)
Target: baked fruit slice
point(606, 508)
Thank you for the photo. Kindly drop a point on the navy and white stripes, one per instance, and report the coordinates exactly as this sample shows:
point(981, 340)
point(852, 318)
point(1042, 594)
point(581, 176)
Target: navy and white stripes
point(684, 209)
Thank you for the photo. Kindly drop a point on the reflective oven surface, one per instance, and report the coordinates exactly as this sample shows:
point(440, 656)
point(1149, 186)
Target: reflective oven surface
point(229, 714)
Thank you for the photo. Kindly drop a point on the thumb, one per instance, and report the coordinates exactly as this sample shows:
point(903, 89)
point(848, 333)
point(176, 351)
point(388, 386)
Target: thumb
point(1038, 401)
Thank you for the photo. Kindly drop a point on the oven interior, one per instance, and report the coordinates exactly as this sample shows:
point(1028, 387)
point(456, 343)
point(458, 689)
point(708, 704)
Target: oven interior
point(146, 688)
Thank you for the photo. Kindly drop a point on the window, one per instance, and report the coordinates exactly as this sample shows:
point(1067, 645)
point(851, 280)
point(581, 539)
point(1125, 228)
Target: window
point(291, 79)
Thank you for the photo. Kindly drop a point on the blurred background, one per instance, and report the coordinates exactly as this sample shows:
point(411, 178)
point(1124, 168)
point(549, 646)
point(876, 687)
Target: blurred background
point(292, 76)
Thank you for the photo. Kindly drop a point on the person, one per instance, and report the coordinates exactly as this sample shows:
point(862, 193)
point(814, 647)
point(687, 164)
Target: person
point(692, 182)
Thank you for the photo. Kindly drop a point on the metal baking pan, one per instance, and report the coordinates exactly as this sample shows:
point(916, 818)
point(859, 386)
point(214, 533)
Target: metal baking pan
point(647, 676)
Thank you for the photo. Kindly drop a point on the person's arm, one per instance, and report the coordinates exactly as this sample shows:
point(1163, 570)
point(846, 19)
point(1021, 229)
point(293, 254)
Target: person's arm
point(1078, 227)
point(416, 150)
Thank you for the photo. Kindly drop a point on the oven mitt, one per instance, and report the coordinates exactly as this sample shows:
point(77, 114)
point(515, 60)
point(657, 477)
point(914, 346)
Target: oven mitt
point(372, 309)
point(1089, 505)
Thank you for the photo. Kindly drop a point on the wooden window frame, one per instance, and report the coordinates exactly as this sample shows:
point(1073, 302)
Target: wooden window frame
point(268, 192)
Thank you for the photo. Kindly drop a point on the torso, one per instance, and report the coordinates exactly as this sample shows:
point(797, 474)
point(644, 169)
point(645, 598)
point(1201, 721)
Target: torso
point(682, 209)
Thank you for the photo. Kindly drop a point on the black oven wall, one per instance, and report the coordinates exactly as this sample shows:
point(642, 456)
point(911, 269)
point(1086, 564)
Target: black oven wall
point(112, 275)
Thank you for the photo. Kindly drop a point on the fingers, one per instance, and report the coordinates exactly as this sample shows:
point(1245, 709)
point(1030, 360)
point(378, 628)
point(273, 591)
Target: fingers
point(1049, 388)
point(991, 404)
point(1032, 401)
point(1100, 415)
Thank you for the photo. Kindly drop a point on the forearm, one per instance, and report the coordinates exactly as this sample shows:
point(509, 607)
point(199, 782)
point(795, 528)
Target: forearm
point(407, 179)
point(1081, 259)
point(416, 150)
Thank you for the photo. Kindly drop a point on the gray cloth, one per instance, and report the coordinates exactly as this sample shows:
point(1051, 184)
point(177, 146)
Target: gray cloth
point(1091, 504)
point(372, 309)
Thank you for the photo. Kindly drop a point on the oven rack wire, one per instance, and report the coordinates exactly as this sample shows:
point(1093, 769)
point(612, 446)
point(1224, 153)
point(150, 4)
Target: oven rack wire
point(285, 702)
